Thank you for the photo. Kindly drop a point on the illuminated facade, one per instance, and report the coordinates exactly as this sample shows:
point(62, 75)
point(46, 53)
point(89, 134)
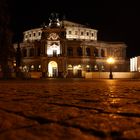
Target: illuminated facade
point(135, 64)
point(68, 49)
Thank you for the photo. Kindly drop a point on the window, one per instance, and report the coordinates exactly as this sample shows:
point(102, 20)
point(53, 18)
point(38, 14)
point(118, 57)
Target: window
point(79, 51)
point(70, 51)
point(32, 68)
point(95, 67)
point(88, 51)
point(88, 68)
point(87, 33)
point(69, 66)
point(24, 52)
point(69, 32)
point(38, 51)
point(82, 33)
point(102, 68)
point(32, 52)
point(39, 68)
point(34, 34)
point(39, 33)
point(76, 32)
point(102, 53)
point(54, 52)
point(96, 52)
point(26, 36)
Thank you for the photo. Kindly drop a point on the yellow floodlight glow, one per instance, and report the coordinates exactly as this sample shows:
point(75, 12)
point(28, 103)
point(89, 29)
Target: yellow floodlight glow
point(110, 60)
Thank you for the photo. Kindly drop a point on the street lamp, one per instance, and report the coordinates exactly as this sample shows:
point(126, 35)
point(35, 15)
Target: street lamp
point(110, 61)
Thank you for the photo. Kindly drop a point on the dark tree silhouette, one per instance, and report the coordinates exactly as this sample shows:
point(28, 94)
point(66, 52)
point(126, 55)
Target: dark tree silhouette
point(18, 56)
point(6, 47)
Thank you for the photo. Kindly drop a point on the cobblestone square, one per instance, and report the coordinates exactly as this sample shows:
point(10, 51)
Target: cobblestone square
point(70, 109)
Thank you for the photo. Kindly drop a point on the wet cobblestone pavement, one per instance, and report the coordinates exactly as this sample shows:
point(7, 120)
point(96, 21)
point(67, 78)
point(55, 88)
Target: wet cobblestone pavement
point(70, 109)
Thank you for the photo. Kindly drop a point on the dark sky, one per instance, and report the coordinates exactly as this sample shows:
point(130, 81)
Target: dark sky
point(114, 20)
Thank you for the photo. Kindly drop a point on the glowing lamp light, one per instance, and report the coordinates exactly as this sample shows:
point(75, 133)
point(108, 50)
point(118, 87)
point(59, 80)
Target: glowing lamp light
point(110, 61)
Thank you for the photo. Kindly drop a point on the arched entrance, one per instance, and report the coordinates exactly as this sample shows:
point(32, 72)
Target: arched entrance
point(52, 69)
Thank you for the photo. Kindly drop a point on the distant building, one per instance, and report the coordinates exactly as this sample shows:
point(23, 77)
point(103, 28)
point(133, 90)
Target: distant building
point(65, 48)
point(135, 64)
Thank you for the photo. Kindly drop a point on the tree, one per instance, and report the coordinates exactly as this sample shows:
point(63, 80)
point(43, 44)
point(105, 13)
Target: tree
point(18, 57)
point(6, 47)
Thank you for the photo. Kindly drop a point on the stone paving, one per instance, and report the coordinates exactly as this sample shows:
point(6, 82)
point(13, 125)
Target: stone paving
point(70, 109)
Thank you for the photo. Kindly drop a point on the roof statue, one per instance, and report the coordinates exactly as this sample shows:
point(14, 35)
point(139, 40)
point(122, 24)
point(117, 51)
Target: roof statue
point(54, 20)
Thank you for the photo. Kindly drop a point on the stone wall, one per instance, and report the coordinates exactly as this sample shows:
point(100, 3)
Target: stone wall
point(98, 75)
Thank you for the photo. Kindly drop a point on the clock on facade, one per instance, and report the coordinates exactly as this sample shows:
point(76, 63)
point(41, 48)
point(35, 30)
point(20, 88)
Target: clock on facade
point(53, 36)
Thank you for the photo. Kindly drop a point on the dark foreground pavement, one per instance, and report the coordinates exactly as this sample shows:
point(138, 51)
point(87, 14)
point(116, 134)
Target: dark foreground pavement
point(70, 109)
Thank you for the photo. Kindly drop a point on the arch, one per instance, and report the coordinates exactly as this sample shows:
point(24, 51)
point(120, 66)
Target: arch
point(24, 52)
point(96, 68)
point(102, 53)
point(32, 51)
point(96, 52)
point(88, 51)
point(70, 71)
point(52, 69)
point(79, 51)
point(70, 51)
point(102, 68)
point(38, 51)
point(69, 66)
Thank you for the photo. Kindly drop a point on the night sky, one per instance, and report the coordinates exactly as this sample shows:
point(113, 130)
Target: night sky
point(114, 20)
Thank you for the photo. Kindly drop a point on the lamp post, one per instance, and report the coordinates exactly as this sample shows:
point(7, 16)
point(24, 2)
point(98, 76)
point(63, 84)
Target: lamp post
point(110, 61)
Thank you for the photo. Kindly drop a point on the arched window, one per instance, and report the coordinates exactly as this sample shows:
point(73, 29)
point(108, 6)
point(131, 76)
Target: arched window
point(32, 68)
point(32, 52)
point(102, 68)
point(88, 68)
point(96, 67)
point(24, 52)
point(39, 67)
point(96, 52)
point(88, 51)
point(102, 53)
point(70, 51)
point(38, 51)
point(79, 51)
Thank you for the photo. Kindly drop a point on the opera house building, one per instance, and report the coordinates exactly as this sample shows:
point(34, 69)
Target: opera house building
point(68, 49)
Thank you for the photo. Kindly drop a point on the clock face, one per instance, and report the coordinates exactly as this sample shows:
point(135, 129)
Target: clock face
point(53, 36)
